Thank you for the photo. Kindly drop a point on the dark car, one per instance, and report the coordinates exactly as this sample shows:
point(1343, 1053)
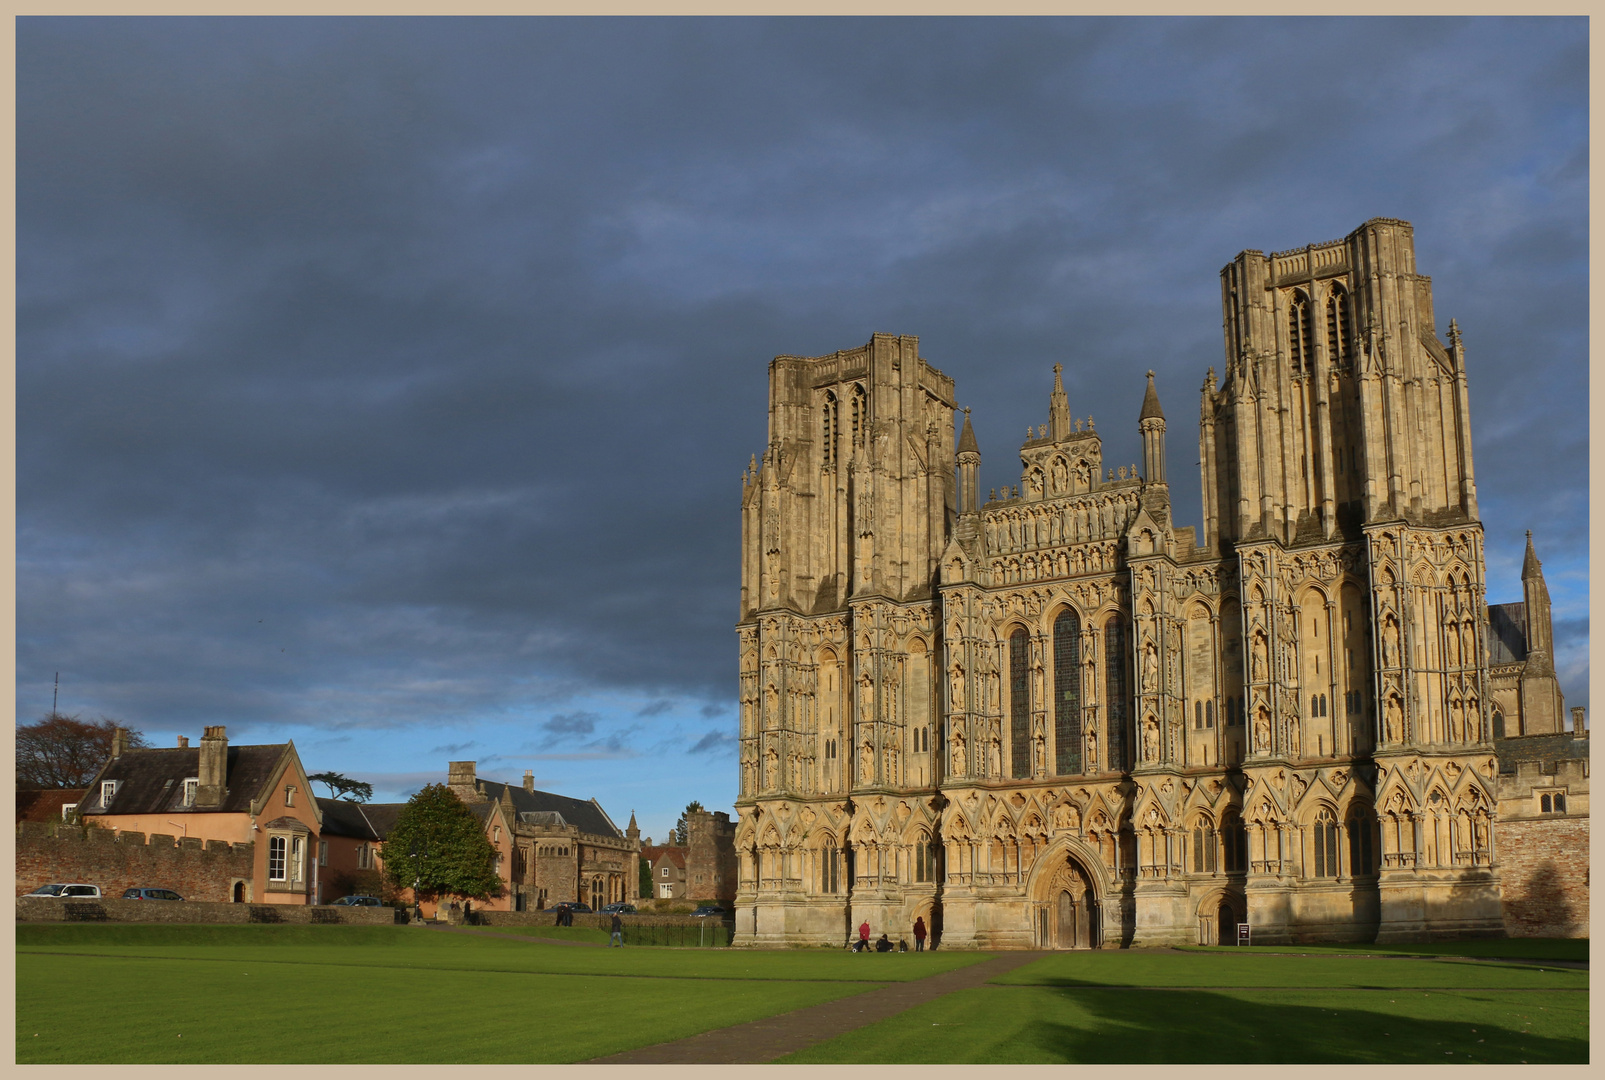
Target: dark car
point(619, 909)
point(150, 894)
point(575, 906)
point(358, 901)
point(708, 911)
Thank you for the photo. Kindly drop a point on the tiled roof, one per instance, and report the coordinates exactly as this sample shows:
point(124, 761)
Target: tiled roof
point(582, 814)
point(361, 821)
point(675, 855)
point(1564, 746)
point(152, 781)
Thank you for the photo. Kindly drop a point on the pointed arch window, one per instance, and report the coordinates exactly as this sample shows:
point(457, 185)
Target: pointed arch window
point(1362, 827)
point(1299, 351)
point(831, 412)
point(1204, 848)
point(1067, 694)
point(860, 414)
point(1326, 844)
point(1234, 843)
point(1339, 338)
point(1019, 705)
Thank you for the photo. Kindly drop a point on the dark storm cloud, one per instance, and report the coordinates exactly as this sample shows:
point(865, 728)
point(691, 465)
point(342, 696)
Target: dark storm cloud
point(578, 723)
point(718, 740)
point(388, 373)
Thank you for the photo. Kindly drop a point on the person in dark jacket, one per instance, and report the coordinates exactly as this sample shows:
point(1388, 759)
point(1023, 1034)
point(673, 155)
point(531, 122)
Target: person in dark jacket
point(884, 944)
point(618, 932)
point(919, 934)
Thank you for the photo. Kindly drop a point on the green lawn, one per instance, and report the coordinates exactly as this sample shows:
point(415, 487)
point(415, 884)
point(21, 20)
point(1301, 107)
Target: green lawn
point(1229, 1005)
point(1042, 1024)
point(350, 994)
point(291, 994)
point(1505, 948)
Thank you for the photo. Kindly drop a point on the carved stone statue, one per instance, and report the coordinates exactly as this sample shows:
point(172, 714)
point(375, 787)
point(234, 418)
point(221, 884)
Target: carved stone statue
point(1150, 740)
point(1390, 642)
point(955, 688)
point(994, 757)
point(771, 765)
point(1393, 719)
point(1150, 668)
point(866, 763)
point(1262, 730)
point(959, 763)
point(1258, 673)
point(1293, 736)
point(1090, 764)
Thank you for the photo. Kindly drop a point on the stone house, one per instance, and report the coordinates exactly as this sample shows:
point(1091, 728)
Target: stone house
point(667, 864)
point(550, 848)
point(216, 792)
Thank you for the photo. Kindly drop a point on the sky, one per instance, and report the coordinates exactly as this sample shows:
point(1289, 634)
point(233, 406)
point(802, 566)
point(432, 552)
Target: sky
point(385, 384)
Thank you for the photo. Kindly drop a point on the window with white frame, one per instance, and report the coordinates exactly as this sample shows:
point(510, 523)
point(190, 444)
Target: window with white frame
point(665, 871)
point(323, 853)
point(364, 857)
point(192, 785)
point(297, 857)
point(277, 846)
point(67, 810)
point(108, 791)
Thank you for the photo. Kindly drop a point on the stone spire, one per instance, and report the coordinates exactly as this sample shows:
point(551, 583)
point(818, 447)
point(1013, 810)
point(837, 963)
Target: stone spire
point(1151, 423)
point(1058, 408)
point(1530, 566)
point(1150, 403)
point(969, 462)
point(633, 832)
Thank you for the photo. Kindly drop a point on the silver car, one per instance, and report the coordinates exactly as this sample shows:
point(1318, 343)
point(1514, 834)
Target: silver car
point(68, 892)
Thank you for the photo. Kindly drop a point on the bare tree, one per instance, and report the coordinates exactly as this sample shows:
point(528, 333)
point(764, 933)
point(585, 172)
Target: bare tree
point(63, 751)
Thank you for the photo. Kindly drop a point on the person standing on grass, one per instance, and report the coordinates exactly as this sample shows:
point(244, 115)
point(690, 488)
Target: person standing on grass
point(919, 934)
point(863, 936)
point(618, 932)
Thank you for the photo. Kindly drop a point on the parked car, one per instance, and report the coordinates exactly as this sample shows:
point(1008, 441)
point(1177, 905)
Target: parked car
point(708, 911)
point(576, 906)
point(68, 892)
point(358, 901)
point(150, 894)
point(619, 909)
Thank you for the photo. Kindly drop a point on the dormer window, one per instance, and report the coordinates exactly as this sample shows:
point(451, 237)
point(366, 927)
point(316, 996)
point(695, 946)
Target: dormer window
point(191, 786)
point(108, 791)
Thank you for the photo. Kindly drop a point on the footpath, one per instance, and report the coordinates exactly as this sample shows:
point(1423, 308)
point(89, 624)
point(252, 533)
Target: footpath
point(761, 1041)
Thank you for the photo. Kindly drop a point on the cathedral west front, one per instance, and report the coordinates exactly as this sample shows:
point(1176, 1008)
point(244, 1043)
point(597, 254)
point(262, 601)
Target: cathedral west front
point(1050, 717)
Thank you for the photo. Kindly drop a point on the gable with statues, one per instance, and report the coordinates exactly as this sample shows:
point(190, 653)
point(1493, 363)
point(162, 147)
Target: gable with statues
point(1056, 719)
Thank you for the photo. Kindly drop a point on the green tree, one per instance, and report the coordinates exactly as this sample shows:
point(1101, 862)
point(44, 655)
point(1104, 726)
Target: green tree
point(681, 836)
point(343, 787)
point(439, 846)
point(645, 880)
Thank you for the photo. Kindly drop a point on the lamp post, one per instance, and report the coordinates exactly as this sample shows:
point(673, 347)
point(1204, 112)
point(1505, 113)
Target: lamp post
point(419, 850)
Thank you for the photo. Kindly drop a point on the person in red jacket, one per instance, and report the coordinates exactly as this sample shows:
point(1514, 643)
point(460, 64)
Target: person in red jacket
point(863, 936)
point(919, 934)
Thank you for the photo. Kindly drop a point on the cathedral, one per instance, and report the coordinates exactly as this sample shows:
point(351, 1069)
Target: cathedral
point(1054, 718)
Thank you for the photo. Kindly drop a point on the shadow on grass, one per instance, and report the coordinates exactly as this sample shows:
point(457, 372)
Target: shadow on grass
point(1202, 1027)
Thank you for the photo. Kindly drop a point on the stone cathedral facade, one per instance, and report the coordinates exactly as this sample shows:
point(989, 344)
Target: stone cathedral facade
point(1053, 718)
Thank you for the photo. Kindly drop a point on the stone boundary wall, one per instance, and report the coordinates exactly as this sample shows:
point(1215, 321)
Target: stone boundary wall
point(196, 869)
point(595, 920)
point(44, 909)
point(1543, 872)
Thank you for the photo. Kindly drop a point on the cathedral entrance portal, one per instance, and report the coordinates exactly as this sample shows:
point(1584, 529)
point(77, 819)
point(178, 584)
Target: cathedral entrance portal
point(1070, 917)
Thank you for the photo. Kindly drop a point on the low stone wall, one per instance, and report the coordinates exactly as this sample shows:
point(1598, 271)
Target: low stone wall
point(595, 920)
point(44, 909)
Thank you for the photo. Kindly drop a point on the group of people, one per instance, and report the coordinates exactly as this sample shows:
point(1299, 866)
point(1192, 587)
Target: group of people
point(863, 943)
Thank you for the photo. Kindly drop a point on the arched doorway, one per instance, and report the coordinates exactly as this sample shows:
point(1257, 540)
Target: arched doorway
point(1218, 916)
point(1069, 913)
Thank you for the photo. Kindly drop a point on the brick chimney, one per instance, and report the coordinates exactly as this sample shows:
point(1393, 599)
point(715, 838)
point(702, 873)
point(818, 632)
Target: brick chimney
point(119, 741)
point(529, 780)
point(213, 768)
point(183, 742)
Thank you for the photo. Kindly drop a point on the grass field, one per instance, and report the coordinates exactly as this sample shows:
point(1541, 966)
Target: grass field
point(1226, 1005)
point(346, 994)
point(350, 994)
